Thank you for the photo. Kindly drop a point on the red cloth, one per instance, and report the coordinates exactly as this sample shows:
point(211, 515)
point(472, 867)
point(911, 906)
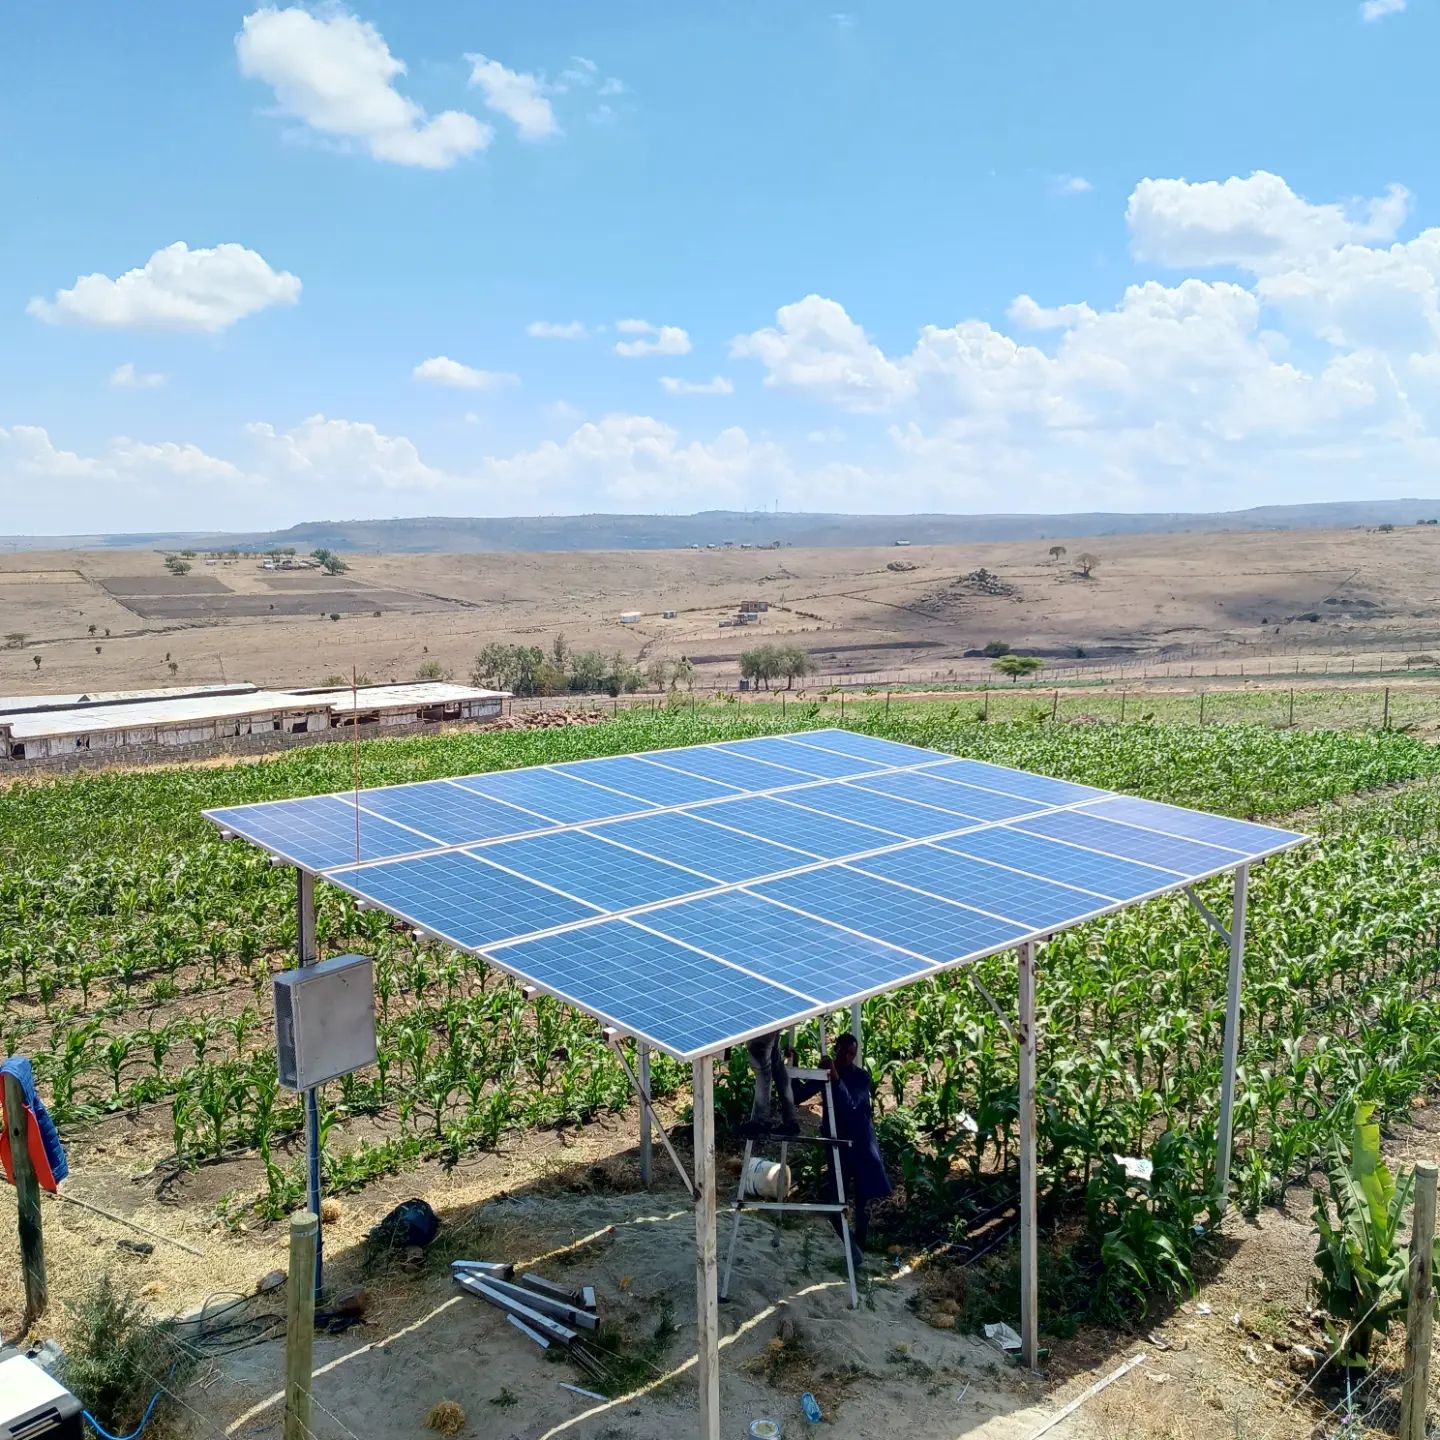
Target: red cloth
point(36, 1146)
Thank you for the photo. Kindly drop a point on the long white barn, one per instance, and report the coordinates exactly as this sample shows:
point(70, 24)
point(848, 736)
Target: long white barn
point(63, 725)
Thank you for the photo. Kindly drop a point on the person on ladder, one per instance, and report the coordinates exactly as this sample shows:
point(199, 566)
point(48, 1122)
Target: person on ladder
point(772, 1084)
point(860, 1162)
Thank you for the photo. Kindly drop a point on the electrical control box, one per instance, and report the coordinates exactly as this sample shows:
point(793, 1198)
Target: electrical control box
point(324, 1020)
point(34, 1405)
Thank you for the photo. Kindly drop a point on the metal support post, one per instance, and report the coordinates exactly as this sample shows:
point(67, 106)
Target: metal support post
point(645, 1145)
point(1225, 1135)
point(857, 1020)
point(306, 949)
point(1029, 1254)
point(1420, 1314)
point(707, 1276)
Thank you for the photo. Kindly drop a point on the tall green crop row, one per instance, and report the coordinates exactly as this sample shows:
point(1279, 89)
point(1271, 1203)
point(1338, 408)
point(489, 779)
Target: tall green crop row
point(136, 950)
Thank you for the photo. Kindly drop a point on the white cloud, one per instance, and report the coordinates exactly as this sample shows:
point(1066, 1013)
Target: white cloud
point(442, 370)
point(1072, 185)
point(335, 73)
point(1029, 315)
point(718, 386)
point(1257, 224)
point(343, 455)
point(1373, 10)
point(28, 453)
point(815, 347)
point(127, 377)
point(552, 330)
point(518, 96)
point(176, 289)
point(654, 339)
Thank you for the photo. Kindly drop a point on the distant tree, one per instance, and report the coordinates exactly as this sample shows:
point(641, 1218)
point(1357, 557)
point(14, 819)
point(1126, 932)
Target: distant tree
point(517, 668)
point(329, 561)
point(174, 668)
point(107, 632)
point(1057, 553)
point(433, 670)
point(97, 649)
point(92, 629)
point(36, 659)
point(176, 566)
point(587, 671)
point(1017, 665)
point(188, 554)
point(334, 614)
point(657, 672)
point(794, 664)
point(1385, 529)
point(994, 649)
point(757, 665)
point(685, 672)
point(1086, 563)
point(559, 651)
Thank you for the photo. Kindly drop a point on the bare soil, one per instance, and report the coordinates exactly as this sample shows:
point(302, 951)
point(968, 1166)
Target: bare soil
point(1157, 596)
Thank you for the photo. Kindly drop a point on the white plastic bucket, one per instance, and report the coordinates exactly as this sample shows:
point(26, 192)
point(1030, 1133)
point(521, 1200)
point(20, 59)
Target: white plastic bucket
point(767, 1180)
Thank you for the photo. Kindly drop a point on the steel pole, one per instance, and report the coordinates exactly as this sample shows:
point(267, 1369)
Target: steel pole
point(1225, 1135)
point(1029, 1252)
point(645, 1142)
point(306, 949)
point(707, 1276)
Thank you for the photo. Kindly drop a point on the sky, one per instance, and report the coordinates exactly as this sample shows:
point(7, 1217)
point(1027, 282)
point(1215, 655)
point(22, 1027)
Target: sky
point(267, 265)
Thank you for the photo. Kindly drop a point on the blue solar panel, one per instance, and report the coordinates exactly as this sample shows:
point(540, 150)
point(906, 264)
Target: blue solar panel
point(593, 870)
point(461, 898)
point(864, 747)
point(730, 860)
point(319, 831)
point(805, 954)
point(685, 1002)
point(965, 800)
point(1014, 782)
point(728, 768)
point(552, 795)
point(1241, 835)
point(1189, 857)
point(1031, 902)
point(449, 812)
point(1113, 879)
point(821, 836)
point(646, 781)
point(825, 764)
point(725, 854)
point(936, 929)
point(903, 820)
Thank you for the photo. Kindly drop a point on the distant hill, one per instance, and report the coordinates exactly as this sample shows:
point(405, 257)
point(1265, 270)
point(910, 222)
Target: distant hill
point(466, 535)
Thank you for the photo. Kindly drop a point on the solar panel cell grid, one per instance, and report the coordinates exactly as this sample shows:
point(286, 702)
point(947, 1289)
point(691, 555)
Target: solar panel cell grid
point(864, 747)
point(724, 854)
point(449, 812)
point(729, 768)
point(1014, 782)
point(1238, 835)
point(594, 870)
point(552, 795)
point(655, 783)
point(686, 1002)
point(804, 759)
point(805, 954)
point(1105, 875)
point(936, 929)
point(1189, 857)
point(1029, 901)
point(458, 896)
point(820, 836)
point(320, 831)
point(967, 801)
point(901, 818)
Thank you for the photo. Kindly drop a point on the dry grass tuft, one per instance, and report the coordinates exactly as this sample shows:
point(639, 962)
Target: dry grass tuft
point(330, 1210)
point(445, 1417)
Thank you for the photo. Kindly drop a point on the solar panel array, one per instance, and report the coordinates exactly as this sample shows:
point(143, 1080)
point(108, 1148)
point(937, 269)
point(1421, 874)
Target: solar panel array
point(698, 896)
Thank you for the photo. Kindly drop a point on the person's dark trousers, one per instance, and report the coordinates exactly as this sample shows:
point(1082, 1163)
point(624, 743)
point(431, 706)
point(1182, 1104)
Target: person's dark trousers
point(860, 1225)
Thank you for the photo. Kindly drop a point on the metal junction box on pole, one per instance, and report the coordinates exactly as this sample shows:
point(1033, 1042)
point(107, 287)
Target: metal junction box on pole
point(325, 1020)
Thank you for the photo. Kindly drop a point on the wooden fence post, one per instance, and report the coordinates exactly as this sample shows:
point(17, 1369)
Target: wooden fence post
point(1385, 719)
point(27, 1194)
point(300, 1324)
point(1420, 1316)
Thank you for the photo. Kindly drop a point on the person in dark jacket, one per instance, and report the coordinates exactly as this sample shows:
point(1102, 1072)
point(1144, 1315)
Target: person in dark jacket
point(860, 1164)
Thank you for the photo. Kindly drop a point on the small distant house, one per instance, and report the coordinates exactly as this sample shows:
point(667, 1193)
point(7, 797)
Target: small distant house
point(629, 617)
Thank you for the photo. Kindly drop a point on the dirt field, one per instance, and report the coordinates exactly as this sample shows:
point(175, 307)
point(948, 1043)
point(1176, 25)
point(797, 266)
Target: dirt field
point(117, 619)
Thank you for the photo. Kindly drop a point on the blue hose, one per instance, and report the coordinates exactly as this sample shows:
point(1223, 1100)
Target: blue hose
point(104, 1434)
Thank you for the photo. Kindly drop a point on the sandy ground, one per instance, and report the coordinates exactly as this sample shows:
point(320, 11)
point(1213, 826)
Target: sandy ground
point(1149, 596)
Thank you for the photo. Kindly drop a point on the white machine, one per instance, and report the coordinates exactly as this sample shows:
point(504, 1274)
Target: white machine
point(33, 1404)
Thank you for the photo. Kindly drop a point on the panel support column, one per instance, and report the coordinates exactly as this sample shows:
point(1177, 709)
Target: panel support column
point(1029, 1221)
point(707, 1270)
point(306, 950)
point(857, 1021)
point(1225, 1134)
point(643, 1056)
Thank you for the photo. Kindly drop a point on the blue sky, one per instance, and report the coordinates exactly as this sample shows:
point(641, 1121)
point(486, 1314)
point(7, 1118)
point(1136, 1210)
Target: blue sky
point(316, 243)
